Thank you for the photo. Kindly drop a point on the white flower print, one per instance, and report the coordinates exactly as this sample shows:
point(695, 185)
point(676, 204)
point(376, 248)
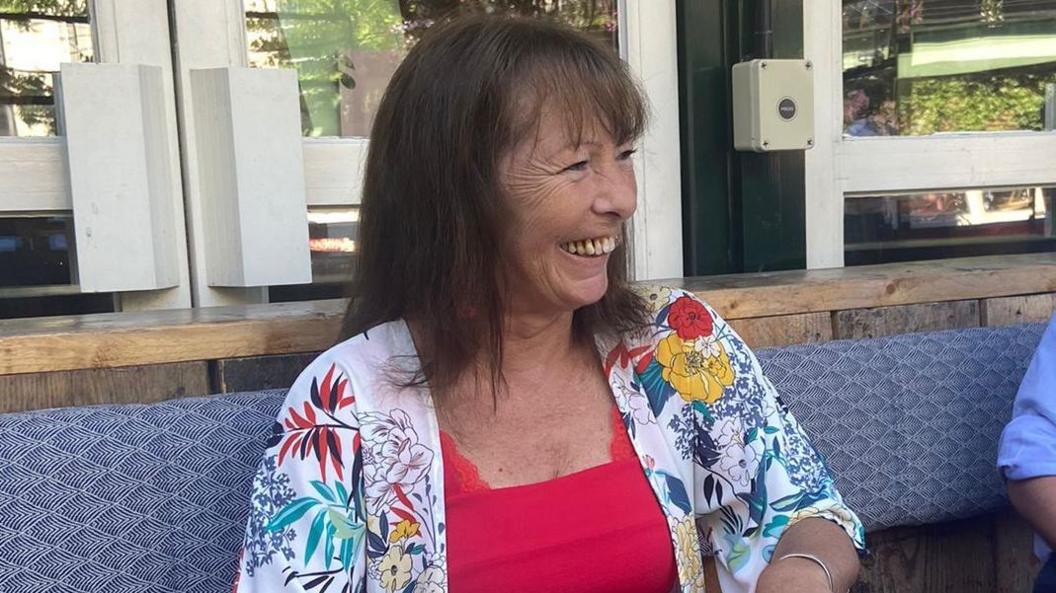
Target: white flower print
point(432, 580)
point(632, 402)
point(708, 346)
point(392, 456)
point(739, 463)
point(730, 431)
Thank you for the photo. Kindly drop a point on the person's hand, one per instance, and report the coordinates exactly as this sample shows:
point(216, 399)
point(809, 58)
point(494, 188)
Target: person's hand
point(793, 575)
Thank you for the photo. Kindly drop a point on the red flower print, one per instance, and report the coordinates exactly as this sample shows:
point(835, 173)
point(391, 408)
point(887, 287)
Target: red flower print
point(689, 318)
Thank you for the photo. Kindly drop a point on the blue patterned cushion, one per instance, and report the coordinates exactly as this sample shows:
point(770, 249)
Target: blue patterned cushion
point(153, 498)
point(149, 498)
point(909, 424)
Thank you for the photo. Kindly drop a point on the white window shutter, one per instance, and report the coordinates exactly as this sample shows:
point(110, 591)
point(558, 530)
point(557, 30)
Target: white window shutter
point(120, 171)
point(251, 172)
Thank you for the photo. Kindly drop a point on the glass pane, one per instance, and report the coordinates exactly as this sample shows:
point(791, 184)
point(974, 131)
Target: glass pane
point(916, 67)
point(345, 51)
point(948, 223)
point(35, 251)
point(35, 37)
point(331, 242)
point(36, 276)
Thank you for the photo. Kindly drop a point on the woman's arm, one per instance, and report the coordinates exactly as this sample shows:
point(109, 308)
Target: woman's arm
point(816, 537)
point(1035, 499)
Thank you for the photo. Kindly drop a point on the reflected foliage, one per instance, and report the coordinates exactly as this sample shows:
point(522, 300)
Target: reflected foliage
point(914, 67)
point(346, 50)
point(26, 93)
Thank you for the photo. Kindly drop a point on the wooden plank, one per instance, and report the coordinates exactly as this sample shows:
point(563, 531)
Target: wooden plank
point(103, 386)
point(260, 372)
point(767, 332)
point(956, 556)
point(130, 339)
point(740, 296)
point(1019, 309)
point(157, 337)
point(1014, 562)
point(887, 321)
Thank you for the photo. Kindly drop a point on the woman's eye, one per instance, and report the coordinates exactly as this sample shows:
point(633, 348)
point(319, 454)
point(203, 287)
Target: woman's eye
point(580, 166)
point(627, 154)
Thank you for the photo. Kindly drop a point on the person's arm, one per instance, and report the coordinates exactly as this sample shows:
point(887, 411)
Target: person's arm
point(815, 537)
point(1027, 451)
point(761, 491)
point(1035, 499)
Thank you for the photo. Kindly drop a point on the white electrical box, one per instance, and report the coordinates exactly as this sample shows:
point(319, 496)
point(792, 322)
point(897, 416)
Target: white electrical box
point(773, 105)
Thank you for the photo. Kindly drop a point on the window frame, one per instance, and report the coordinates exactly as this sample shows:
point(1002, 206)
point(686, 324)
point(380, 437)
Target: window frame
point(212, 34)
point(840, 167)
point(34, 174)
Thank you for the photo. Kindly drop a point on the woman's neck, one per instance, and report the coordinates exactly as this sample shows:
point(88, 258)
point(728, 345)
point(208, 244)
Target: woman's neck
point(533, 343)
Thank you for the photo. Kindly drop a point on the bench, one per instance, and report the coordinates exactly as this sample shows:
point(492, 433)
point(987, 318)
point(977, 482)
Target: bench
point(153, 497)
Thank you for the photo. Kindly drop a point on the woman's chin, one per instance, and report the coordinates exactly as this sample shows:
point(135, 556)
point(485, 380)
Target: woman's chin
point(587, 291)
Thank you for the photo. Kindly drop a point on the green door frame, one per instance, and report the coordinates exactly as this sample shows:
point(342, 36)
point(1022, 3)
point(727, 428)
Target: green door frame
point(742, 211)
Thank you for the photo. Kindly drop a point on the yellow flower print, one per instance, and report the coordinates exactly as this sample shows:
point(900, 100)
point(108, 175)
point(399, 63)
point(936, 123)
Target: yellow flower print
point(698, 369)
point(657, 297)
point(405, 528)
point(837, 513)
point(690, 567)
point(395, 569)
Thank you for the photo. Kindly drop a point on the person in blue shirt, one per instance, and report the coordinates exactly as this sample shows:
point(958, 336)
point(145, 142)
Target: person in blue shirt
point(1027, 454)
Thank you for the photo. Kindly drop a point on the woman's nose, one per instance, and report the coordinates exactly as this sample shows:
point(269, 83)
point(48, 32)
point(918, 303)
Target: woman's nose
point(617, 194)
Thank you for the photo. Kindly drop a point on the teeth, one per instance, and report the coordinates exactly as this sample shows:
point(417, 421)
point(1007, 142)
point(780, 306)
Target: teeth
point(591, 247)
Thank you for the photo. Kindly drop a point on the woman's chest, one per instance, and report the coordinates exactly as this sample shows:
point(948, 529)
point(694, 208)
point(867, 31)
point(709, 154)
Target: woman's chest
point(532, 437)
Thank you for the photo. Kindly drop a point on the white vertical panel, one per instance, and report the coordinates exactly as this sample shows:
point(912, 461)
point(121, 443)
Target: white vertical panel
point(251, 176)
point(657, 226)
point(210, 34)
point(120, 176)
point(137, 31)
point(822, 44)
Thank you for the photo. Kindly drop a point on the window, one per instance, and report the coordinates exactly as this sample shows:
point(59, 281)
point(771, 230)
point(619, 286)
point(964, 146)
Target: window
point(917, 67)
point(940, 114)
point(35, 37)
point(941, 224)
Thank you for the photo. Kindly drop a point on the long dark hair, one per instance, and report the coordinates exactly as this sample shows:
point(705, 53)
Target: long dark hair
point(433, 210)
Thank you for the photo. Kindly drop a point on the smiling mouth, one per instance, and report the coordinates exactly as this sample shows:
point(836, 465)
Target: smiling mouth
point(591, 247)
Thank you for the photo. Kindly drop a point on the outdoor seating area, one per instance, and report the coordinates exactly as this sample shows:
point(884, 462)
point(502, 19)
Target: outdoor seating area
point(528, 296)
point(151, 497)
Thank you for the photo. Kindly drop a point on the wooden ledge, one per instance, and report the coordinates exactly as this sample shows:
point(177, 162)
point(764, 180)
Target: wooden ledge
point(158, 337)
point(155, 337)
point(767, 294)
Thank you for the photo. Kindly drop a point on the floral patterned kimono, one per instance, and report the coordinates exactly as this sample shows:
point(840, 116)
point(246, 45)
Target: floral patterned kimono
point(350, 493)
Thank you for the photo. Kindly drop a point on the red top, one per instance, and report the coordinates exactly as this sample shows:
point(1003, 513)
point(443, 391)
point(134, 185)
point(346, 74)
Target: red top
point(600, 529)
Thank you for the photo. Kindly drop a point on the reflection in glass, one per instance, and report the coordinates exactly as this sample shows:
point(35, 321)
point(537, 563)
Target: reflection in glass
point(332, 235)
point(331, 242)
point(948, 223)
point(916, 67)
point(35, 251)
point(35, 37)
point(345, 51)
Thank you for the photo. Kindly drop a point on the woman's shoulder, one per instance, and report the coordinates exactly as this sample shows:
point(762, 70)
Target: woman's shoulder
point(356, 363)
point(679, 320)
point(659, 298)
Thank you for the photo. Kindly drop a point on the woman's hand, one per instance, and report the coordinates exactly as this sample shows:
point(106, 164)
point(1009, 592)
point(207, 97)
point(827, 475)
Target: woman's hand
point(793, 575)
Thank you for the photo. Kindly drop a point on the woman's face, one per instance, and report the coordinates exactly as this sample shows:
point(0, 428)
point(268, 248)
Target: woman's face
point(568, 205)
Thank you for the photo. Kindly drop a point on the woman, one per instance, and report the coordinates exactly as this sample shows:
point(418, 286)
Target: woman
point(507, 414)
